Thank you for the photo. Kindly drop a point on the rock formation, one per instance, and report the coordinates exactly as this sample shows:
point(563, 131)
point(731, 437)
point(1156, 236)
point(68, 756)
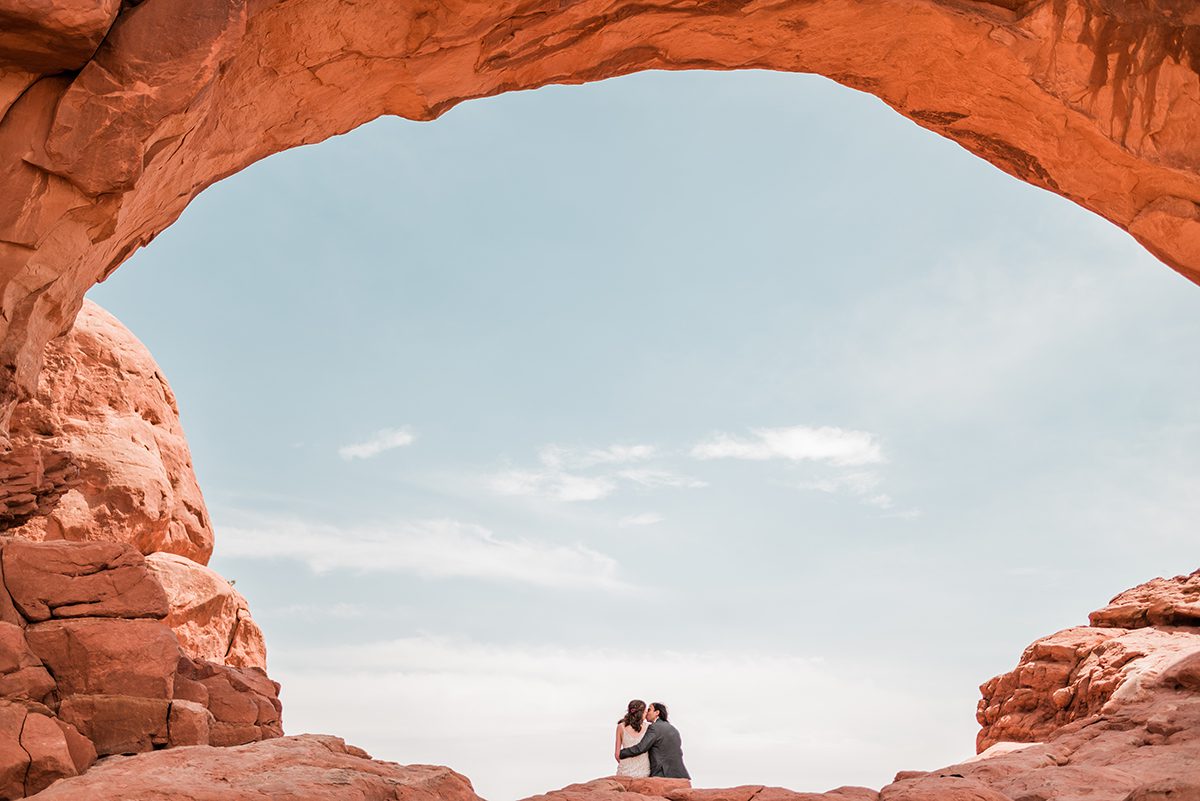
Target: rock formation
point(305, 768)
point(105, 650)
point(98, 452)
point(88, 667)
point(115, 115)
point(114, 637)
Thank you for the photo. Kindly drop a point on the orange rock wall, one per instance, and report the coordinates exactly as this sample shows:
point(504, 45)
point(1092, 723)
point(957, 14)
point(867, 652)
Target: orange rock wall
point(102, 147)
point(89, 667)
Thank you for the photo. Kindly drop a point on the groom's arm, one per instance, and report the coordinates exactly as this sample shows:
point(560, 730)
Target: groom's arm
point(642, 747)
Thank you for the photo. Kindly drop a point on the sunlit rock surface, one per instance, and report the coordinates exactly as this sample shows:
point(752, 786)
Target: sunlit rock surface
point(112, 118)
point(98, 453)
point(304, 768)
point(89, 667)
point(210, 618)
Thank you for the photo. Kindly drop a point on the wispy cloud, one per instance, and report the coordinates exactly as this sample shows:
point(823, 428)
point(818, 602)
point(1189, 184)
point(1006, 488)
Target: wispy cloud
point(429, 548)
point(383, 440)
point(561, 486)
point(575, 474)
point(564, 458)
point(649, 477)
point(829, 444)
point(861, 484)
point(643, 519)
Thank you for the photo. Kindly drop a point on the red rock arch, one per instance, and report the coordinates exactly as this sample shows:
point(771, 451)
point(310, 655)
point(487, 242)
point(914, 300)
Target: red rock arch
point(116, 116)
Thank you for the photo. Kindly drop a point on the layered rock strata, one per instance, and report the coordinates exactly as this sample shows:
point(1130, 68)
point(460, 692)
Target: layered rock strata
point(99, 455)
point(112, 640)
point(88, 668)
point(1080, 672)
point(114, 116)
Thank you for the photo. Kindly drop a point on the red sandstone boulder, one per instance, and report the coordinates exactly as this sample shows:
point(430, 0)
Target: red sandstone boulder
point(14, 760)
point(188, 723)
point(244, 703)
point(1161, 602)
point(49, 754)
point(68, 580)
point(35, 751)
point(623, 788)
point(99, 453)
point(938, 788)
point(22, 674)
point(305, 768)
point(210, 618)
point(100, 656)
point(1075, 673)
point(118, 724)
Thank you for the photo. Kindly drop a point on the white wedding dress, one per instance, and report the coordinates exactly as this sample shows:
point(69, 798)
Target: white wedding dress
point(637, 767)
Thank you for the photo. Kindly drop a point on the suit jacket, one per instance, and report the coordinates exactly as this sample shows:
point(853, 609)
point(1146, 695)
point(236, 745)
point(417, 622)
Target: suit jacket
point(665, 748)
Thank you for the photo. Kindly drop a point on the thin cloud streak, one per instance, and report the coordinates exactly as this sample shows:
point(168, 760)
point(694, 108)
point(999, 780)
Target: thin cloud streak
point(565, 487)
point(437, 549)
point(559, 457)
point(385, 439)
point(649, 477)
point(643, 519)
point(837, 446)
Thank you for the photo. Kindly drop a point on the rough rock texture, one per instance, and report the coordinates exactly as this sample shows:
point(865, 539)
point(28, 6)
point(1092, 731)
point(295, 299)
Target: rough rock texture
point(89, 667)
point(210, 618)
point(99, 453)
point(67, 579)
point(622, 788)
point(300, 768)
point(1075, 673)
point(1097, 100)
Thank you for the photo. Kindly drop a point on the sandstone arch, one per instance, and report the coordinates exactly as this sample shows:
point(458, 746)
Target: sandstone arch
point(115, 115)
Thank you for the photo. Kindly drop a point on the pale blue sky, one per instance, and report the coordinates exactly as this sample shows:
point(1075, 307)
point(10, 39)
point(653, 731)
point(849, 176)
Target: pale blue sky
point(660, 263)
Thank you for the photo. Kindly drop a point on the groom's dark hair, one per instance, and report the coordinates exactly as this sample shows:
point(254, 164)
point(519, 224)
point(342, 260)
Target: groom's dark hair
point(661, 709)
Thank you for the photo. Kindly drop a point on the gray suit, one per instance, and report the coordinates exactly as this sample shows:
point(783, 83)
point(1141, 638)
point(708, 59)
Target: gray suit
point(666, 751)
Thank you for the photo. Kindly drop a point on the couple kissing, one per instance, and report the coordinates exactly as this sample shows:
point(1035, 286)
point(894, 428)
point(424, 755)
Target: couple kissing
point(647, 744)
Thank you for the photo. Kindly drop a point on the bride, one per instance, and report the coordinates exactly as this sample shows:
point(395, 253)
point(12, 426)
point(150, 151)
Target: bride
point(630, 731)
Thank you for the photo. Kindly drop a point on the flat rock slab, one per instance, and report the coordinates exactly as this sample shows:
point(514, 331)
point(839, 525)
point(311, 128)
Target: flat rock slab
point(70, 579)
point(302, 768)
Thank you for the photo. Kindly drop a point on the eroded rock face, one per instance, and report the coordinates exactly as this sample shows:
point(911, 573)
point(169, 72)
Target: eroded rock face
point(1096, 100)
point(89, 667)
point(210, 618)
point(99, 454)
point(1079, 672)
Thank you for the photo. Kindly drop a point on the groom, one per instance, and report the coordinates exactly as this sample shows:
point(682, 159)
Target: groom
point(662, 741)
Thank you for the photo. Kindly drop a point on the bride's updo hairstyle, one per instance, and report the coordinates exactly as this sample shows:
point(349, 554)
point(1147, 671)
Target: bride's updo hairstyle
point(636, 714)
